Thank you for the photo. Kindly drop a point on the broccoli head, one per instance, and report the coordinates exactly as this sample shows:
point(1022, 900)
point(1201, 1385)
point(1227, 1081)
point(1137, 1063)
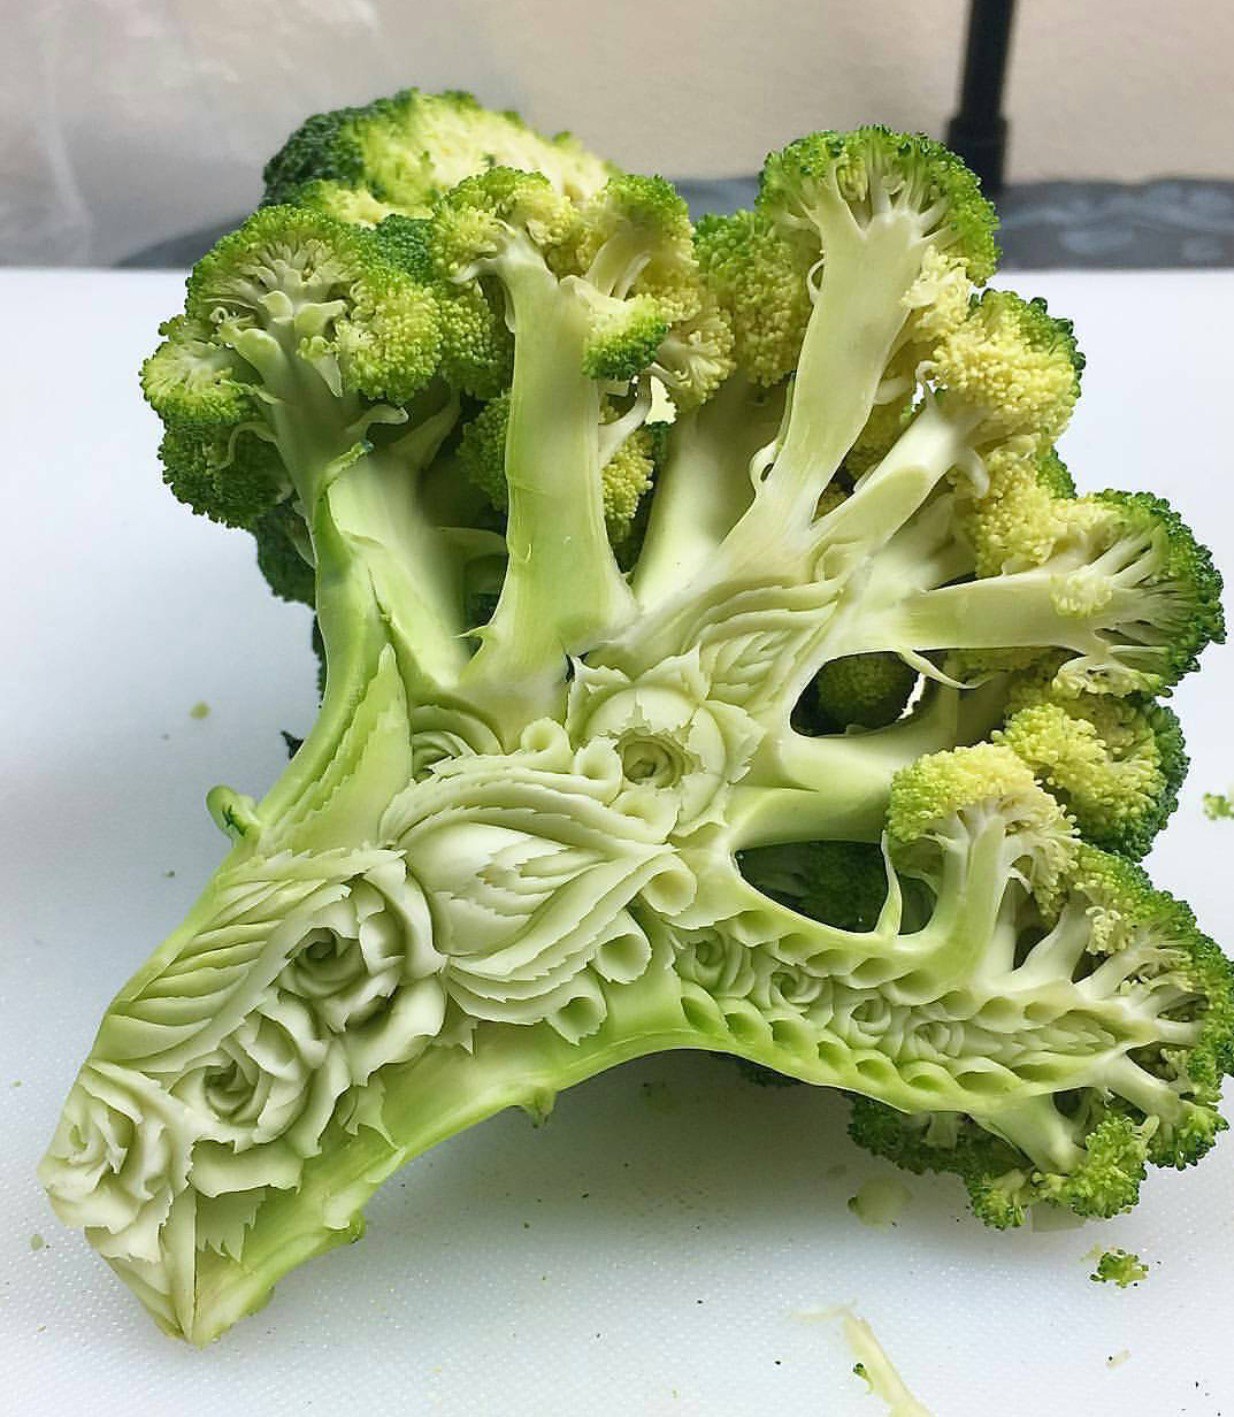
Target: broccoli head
point(717, 655)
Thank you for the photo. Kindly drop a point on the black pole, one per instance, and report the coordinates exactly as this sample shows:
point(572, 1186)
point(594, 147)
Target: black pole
point(978, 132)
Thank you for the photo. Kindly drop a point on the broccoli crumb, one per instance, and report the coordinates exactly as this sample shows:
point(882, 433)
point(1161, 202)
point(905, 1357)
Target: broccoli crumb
point(1218, 806)
point(875, 1368)
point(880, 1201)
point(200, 709)
point(36, 1241)
point(1119, 1267)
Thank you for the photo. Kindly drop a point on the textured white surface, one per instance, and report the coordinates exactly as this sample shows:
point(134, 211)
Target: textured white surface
point(654, 1248)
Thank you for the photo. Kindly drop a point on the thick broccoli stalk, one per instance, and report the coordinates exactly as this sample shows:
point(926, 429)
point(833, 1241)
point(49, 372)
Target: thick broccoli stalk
point(817, 729)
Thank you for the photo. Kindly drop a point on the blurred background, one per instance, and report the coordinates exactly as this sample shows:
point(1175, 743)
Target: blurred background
point(127, 123)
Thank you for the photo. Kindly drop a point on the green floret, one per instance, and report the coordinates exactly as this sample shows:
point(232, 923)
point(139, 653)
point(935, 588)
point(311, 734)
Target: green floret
point(864, 690)
point(625, 477)
point(1014, 365)
point(1116, 580)
point(335, 348)
point(482, 450)
point(192, 379)
point(873, 170)
point(1116, 764)
point(635, 237)
point(695, 357)
point(1179, 588)
point(290, 289)
point(1151, 941)
point(1027, 507)
point(401, 153)
point(1053, 474)
point(1119, 1267)
point(284, 556)
point(941, 785)
point(355, 315)
point(1002, 1183)
point(754, 273)
point(478, 219)
point(884, 235)
point(633, 254)
point(842, 883)
point(625, 336)
point(999, 1191)
point(477, 349)
point(945, 804)
point(232, 475)
point(215, 449)
point(324, 148)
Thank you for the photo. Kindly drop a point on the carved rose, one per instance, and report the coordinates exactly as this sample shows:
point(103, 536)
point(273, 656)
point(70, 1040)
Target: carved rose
point(119, 1158)
point(669, 736)
point(718, 962)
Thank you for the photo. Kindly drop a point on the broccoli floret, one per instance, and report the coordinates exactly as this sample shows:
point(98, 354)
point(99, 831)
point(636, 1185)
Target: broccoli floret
point(864, 690)
point(596, 515)
point(1119, 1267)
point(398, 155)
point(1116, 764)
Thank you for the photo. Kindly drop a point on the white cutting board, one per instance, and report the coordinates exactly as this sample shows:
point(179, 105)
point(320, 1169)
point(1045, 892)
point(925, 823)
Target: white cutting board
point(654, 1248)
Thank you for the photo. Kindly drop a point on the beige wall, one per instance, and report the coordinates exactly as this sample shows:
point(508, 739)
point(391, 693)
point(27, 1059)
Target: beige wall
point(124, 121)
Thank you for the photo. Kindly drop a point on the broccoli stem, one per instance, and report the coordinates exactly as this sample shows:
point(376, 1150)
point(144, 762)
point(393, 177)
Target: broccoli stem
point(848, 342)
point(354, 635)
point(375, 505)
point(563, 590)
point(837, 787)
point(1011, 611)
point(384, 573)
point(900, 484)
point(426, 1102)
point(704, 487)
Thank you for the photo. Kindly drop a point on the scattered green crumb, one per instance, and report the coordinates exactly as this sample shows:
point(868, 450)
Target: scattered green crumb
point(1116, 1360)
point(1119, 1267)
point(880, 1201)
point(16, 1082)
point(168, 875)
point(875, 1368)
point(1218, 805)
point(36, 1241)
point(200, 709)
